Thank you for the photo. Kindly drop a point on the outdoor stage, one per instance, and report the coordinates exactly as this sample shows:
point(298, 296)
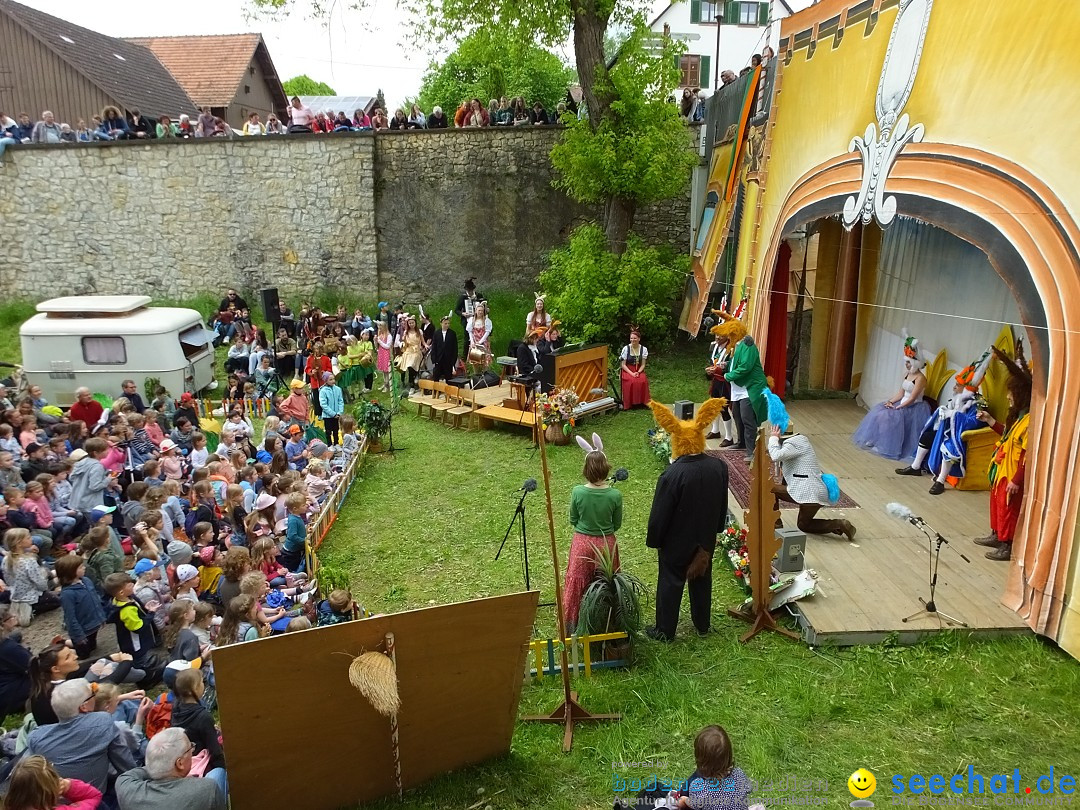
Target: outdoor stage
point(865, 588)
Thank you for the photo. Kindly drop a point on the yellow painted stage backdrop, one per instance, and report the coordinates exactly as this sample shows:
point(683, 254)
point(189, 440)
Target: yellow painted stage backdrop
point(997, 92)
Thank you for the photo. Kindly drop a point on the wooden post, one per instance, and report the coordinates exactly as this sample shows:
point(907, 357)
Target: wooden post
point(761, 545)
point(569, 711)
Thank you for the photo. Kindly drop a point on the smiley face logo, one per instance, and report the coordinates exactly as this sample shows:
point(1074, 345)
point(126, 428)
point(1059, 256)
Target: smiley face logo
point(862, 784)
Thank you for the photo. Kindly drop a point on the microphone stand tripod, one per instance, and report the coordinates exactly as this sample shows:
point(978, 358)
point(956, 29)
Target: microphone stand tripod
point(930, 605)
point(519, 514)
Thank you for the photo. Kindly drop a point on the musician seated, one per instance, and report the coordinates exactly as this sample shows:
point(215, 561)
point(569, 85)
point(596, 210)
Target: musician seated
point(528, 354)
point(550, 340)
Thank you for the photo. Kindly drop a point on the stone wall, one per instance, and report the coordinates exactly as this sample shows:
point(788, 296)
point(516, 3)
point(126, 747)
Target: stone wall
point(386, 214)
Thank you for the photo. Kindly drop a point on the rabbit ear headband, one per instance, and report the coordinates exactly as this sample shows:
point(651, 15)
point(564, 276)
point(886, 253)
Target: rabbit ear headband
point(597, 445)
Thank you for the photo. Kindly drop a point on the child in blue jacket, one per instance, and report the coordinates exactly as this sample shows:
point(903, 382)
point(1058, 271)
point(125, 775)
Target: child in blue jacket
point(83, 613)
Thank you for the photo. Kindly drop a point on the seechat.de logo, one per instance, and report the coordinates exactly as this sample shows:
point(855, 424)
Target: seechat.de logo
point(862, 785)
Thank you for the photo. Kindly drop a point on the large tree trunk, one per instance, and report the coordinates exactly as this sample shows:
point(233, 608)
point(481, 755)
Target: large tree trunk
point(618, 218)
point(589, 30)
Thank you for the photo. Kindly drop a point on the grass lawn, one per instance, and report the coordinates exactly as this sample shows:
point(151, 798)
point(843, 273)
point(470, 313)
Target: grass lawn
point(423, 526)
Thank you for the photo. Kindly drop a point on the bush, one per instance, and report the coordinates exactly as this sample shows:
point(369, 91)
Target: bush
point(598, 295)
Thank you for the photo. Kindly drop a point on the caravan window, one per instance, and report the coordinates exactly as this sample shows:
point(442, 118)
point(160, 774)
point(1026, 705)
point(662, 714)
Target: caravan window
point(104, 351)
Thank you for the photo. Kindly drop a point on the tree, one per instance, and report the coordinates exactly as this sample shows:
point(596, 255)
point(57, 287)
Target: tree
point(380, 100)
point(304, 85)
point(486, 65)
point(640, 151)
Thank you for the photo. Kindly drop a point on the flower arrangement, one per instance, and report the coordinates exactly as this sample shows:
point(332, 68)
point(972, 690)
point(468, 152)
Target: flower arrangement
point(557, 408)
point(660, 444)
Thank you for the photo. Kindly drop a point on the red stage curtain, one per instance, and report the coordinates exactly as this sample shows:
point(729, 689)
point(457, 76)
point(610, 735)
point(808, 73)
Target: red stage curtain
point(776, 354)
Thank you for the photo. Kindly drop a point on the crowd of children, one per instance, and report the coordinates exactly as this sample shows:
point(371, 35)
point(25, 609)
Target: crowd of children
point(132, 521)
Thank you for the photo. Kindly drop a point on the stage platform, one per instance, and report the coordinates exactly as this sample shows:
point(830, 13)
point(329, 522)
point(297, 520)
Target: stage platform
point(867, 587)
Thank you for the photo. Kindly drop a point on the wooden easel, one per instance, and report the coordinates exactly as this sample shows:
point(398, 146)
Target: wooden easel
point(761, 545)
point(569, 711)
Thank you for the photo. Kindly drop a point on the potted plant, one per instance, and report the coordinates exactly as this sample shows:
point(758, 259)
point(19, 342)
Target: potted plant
point(611, 604)
point(374, 420)
point(557, 415)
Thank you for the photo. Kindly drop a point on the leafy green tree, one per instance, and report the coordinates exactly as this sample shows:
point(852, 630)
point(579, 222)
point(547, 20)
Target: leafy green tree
point(598, 294)
point(486, 66)
point(640, 151)
point(304, 85)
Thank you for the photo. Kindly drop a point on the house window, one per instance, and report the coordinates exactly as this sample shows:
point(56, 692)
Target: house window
point(756, 14)
point(705, 11)
point(104, 351)
point(251, 70)
point(247, 88)
point(690, 70)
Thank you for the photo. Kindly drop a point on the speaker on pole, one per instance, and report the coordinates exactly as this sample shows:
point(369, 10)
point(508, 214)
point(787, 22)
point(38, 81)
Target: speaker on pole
point(270, 305)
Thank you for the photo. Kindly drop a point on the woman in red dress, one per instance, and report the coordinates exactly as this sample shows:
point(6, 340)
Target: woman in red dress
point(635, 385)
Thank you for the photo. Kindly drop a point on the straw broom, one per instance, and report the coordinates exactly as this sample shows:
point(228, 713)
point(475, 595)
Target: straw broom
point(374, 676)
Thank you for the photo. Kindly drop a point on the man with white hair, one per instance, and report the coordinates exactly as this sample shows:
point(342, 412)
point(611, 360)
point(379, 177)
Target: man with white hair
point(164, 783)
point(85, 743)
point(86, 408)
point(46, 130)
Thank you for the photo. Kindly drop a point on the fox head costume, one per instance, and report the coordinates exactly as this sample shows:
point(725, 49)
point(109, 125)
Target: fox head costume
point(687, 435)
point(730, 327)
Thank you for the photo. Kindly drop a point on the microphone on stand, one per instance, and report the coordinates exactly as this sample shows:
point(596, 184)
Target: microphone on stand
point(621, 474)
point(898, 510)
point(528, 486)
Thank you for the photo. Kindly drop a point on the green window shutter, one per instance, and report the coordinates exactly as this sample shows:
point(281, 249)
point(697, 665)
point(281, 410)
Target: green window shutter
point(763, 14)
point(678, 62)
point(706, 73)
point(695, 11)
point(731, 12)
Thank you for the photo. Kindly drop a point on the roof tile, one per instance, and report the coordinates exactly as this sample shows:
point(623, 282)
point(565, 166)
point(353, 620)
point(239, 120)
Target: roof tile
point(210, 68)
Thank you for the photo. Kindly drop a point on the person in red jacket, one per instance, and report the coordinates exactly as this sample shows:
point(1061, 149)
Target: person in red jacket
point(317, 364)
point(86, 408)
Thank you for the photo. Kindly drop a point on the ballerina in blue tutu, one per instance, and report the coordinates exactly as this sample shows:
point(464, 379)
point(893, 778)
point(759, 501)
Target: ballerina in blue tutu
point(892, 428)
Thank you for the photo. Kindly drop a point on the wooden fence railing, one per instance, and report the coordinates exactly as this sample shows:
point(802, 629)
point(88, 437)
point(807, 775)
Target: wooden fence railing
point(255, 408)
point(544, 660)
point(319, 527)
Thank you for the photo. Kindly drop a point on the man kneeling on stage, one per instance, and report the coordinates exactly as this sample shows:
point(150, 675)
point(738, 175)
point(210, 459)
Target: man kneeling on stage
point(803, 481)
point(689, 509)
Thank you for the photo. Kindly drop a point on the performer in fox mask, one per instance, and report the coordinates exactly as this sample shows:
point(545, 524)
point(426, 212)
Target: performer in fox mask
point(689, 509)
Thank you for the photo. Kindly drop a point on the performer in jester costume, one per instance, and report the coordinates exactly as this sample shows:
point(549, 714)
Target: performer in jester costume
point(1010, 459)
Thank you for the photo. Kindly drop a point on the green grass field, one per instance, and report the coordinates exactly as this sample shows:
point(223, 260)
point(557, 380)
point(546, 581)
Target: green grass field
point(424, 525)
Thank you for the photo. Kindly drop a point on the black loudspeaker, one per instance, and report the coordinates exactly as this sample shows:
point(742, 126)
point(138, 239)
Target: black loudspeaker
point(270, 305)
point(684, 409)
point(489, 379)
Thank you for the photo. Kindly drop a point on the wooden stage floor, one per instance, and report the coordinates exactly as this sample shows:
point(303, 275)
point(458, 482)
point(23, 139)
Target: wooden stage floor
point(865, 588)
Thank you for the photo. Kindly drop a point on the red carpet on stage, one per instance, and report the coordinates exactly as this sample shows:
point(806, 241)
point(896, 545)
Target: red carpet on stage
point(739, 481)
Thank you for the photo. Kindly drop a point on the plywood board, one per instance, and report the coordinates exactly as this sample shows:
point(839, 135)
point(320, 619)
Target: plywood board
point(459, 674)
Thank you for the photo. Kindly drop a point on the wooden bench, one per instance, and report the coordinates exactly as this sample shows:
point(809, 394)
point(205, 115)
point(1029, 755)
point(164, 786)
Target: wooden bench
point(497, 413)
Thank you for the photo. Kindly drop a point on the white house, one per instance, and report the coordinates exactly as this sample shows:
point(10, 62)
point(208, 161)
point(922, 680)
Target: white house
point(745, 30)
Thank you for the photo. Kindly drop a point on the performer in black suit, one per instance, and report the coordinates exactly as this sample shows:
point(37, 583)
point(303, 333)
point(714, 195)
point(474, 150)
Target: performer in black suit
point(444, 354)
point(689, 509)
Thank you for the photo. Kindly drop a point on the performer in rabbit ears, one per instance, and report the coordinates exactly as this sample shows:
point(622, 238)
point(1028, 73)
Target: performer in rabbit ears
point(803, 482)
point(595, 514)
point(689, 509)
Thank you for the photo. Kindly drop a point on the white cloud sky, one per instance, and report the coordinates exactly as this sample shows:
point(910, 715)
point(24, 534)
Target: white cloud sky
point(356, 53)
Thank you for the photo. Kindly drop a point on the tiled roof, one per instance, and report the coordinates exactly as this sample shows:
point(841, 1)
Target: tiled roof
point(210, 68)
point(126, 71)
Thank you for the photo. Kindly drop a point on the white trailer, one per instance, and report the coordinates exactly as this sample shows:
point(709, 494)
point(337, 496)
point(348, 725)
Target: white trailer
point(101, 340)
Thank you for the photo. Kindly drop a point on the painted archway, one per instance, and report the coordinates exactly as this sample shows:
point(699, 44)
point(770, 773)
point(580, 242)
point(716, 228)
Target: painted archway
point(1032, 242)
